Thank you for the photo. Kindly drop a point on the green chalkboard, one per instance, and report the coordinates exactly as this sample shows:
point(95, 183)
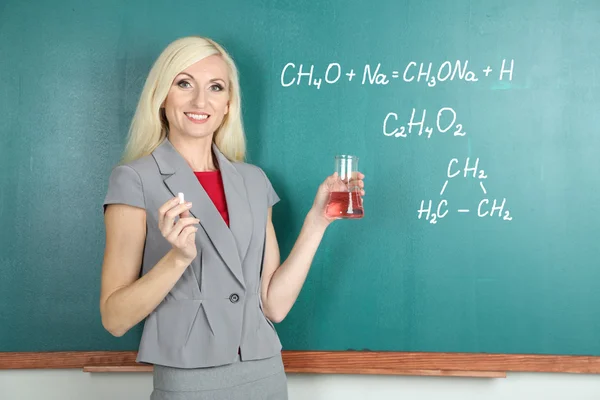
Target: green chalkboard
point(511, 88)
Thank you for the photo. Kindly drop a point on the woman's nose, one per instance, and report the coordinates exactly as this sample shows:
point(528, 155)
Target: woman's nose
point(199, 99)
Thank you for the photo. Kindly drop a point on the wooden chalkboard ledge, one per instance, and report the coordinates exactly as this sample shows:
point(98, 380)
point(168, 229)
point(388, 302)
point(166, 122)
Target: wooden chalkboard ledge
point(118, 368)
point(336, 362)
point(370, 371)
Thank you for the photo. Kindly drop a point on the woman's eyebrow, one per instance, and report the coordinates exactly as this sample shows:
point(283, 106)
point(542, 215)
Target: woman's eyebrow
point(185, 73)
point(217, 79)
point(212, 80)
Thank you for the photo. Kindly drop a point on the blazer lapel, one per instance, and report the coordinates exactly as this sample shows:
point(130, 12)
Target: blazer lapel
point(179, 177)
point(238, 207)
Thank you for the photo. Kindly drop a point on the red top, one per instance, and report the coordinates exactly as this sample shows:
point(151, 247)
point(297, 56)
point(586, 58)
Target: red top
point(212, 183)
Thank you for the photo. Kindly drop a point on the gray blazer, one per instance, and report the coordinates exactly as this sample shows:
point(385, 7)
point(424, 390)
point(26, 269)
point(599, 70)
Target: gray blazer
point(215, 307)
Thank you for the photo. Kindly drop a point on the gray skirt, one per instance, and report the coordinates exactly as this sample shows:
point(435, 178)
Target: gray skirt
point(242, 380)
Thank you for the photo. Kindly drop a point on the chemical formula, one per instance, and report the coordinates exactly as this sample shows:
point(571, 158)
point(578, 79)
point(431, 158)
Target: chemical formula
point(413, 73)
point(401, 125)
point(486, 207)
point(443, 124)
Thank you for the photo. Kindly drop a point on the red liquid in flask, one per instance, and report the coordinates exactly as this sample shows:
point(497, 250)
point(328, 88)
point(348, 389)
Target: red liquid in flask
point(345, 205)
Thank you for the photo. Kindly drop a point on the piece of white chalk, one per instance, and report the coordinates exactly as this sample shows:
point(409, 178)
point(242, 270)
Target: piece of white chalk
point(181, 200)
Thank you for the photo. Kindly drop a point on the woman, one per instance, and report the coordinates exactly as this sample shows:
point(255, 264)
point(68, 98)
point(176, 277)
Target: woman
point(204, 274)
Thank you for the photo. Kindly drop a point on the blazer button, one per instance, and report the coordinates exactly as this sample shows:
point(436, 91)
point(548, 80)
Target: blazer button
point(234, 298)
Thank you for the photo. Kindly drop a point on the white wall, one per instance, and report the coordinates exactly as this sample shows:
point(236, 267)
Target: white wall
point(78, 385)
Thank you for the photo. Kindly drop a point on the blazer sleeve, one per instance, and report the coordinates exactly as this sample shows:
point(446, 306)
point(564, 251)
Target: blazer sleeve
point(272, 197)
point(125, 187)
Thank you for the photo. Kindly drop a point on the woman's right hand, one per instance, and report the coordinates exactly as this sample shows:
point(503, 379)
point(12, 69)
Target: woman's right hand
point(181, 234)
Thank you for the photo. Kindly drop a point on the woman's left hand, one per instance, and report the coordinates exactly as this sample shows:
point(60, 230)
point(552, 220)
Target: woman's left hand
point(332, 184)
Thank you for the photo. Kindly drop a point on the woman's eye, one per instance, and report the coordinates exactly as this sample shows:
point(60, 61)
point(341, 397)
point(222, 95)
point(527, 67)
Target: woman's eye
point(216, 87)
point(183, 84)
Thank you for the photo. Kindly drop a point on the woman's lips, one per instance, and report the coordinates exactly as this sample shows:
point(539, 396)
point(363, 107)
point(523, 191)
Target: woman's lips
point(197, 118)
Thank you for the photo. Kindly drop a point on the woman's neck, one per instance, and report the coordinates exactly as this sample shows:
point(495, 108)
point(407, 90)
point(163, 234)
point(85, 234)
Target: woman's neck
point(196, 152)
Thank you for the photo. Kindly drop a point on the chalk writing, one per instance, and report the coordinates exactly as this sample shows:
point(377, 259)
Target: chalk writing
point(398, 124)
point(428, 73)
point(445, 121)
point(432, 212)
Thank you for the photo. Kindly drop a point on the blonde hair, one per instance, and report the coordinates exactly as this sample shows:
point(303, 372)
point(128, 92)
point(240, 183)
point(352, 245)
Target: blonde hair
point(149, 125)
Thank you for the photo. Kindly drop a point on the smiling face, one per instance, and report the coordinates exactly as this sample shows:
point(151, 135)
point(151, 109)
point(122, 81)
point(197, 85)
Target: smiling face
point(198, 99)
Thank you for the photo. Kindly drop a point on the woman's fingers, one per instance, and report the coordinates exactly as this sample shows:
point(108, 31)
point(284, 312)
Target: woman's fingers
point(183, 223)
point(162, 211)
point(169, 211)
point(357, 177)
point(187, 235)
point(168, 205)
point(181, 234)
point(174, 212)
point(356, 181)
